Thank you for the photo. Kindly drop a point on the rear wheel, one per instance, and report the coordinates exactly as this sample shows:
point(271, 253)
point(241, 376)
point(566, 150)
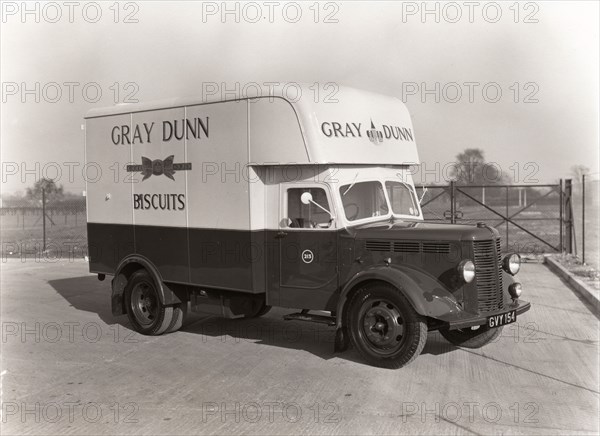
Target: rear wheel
point(385, 328)
point(260, 310)
point(179, 314)
point(468, 338)
point(144, 309)
point(257, 308)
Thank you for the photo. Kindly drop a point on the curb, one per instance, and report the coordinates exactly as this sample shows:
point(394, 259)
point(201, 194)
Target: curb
point(574, 283)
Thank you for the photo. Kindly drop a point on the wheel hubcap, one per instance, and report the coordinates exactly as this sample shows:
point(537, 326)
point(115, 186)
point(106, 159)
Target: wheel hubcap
point(382, 324)
point(144, 303)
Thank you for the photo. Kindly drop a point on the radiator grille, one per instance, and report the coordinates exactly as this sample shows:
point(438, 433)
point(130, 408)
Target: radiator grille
point(488, 275)
point(436, 247)
point(408, 246)
point(378, 245)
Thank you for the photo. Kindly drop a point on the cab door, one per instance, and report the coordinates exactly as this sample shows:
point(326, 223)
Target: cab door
point(308, 256)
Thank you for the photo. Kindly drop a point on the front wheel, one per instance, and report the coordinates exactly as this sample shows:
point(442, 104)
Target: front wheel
point(144, 309)
point(384, 327)
point(468, 338)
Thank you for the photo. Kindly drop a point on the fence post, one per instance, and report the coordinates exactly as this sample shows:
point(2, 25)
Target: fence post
point(569, 215)
point(452, 202)
point(583, 218)
point(561, 217)
point(44, 219)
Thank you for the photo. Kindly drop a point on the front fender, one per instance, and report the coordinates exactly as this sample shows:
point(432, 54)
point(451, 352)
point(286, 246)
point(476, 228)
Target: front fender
point(426, 294)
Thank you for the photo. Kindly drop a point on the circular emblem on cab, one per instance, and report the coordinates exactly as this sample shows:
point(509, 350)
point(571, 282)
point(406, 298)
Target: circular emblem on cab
point(307, 256)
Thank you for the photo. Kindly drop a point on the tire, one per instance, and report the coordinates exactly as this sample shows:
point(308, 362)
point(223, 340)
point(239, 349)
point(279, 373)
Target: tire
point(144, 309)
point(468, 338)
point(179, 314)
point(384, 327)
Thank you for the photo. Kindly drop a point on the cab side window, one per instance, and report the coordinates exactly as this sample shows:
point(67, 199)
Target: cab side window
point(307, 216)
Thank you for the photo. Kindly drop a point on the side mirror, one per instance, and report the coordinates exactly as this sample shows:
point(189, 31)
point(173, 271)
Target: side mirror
point(306, 198)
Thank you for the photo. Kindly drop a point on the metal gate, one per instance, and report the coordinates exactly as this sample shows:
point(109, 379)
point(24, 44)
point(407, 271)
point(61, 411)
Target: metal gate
point(531, 219)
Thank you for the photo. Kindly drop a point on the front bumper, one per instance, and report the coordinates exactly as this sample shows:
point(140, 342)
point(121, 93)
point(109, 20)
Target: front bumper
point(462, 319)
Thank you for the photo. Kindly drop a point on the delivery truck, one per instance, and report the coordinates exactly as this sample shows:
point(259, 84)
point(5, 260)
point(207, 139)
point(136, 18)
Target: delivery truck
point(233, 206)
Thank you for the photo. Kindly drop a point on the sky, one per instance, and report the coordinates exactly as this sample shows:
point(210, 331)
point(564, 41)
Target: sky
point(518, 80)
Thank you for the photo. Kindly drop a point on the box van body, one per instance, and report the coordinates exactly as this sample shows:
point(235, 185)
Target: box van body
point(231, 207)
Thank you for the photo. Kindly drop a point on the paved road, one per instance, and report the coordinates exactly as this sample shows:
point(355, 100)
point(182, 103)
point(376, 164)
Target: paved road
point(68, 366)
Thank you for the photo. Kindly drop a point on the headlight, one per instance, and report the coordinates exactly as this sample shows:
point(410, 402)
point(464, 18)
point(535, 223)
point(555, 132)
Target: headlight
point(466, 270)
point(515, 290)
point(511, 263)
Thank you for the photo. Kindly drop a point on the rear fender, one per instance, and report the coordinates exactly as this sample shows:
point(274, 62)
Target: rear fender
point(126, 268)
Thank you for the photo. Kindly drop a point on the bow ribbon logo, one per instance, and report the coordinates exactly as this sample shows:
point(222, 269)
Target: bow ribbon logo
point(157, 167)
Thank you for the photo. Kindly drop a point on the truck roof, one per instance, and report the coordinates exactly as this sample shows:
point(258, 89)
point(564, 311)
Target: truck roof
point(340, 125)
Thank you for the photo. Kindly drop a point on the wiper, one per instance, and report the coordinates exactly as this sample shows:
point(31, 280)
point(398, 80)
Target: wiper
point(423, 194)
point(351, 186)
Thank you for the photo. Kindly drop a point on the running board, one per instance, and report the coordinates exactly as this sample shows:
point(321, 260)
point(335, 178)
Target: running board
point(321, 319)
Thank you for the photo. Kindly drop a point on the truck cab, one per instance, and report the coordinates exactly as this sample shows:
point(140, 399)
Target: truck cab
point(268, 202)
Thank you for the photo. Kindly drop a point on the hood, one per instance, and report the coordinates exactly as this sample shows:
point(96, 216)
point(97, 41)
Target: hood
point(420, 230)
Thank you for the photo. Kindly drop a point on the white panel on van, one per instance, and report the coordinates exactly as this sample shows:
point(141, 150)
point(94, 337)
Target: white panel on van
point(159, 167)
point(275, 133)
point(108, 187)
point(218, 196)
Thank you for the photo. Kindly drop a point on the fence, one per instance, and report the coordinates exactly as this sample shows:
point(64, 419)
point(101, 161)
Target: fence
point(50, 228)
point(538, 219)
point(586, 222)
point(530, 219)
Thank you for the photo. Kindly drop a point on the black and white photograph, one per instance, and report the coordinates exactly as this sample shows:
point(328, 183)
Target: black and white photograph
point(300, 217)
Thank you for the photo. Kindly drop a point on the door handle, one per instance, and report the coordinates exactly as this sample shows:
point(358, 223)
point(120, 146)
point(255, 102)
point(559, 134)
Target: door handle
point(281, 234)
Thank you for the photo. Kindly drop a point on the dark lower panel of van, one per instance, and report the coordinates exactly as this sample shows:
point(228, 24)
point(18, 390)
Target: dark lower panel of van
point(227, 259)
point(108, 244)
point(230, 259)
point(166, 248)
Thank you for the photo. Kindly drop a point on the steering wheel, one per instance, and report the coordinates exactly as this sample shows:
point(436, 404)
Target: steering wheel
point(324, 225)
point(296, 223)
point(299, 223)
point(353, 216)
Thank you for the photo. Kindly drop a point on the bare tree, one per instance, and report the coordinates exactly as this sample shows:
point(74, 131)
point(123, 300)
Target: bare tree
point(577, 171)
point(472, 169)
point(52, 191)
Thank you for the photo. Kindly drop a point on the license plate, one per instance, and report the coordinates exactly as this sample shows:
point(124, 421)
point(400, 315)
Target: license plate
point(502, 319)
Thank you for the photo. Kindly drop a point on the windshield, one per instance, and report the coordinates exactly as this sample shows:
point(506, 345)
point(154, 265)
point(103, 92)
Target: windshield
point(363, 200)
point(367, 199)
point(402, 198)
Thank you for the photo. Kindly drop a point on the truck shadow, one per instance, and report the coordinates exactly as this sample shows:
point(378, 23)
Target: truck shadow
point(88, 294)
point(273, 330)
